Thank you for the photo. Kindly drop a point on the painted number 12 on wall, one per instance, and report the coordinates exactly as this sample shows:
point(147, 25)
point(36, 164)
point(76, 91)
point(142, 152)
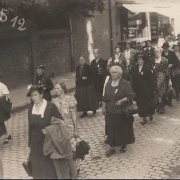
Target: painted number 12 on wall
point(15, 21)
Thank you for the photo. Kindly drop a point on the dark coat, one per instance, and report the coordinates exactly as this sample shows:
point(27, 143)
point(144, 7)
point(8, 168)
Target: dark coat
point(85, 71)
point(5, 108)
point(42, 166)
point(171, 58)
point(99, 70)
point(142, 84)
point(46, 82)
point(149, 56)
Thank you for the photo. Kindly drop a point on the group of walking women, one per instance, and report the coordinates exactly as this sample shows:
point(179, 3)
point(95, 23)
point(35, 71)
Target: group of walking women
point(148, 76)
point(141, 76)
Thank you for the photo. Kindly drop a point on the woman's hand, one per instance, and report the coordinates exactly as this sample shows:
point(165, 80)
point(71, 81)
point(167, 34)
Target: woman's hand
point(103, 110)
point(44, 131)
point(84, 78)
point(76, 135)
point(119, 102)
point(170, 65)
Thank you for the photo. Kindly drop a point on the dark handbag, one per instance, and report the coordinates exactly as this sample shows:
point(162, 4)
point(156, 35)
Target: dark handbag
point(82, 149)
point(27, 166)
point(128, 108)
point(175, 71)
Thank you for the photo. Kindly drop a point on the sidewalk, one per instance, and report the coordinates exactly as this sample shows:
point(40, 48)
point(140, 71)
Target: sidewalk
point(18, 94)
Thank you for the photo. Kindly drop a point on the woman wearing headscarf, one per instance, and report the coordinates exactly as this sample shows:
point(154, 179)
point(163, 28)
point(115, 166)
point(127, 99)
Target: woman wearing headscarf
point(142, 84)
point(162, 78)
point(46, 163)
point(120, 128)
point(85, 91)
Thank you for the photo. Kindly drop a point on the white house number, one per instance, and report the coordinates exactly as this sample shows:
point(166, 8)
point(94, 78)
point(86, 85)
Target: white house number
point(15, 21)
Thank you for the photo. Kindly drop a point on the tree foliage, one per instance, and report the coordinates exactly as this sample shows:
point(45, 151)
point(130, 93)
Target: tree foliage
point(43, 9)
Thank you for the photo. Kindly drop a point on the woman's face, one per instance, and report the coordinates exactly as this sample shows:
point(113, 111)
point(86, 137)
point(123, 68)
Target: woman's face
point(117, 50)
point(128, 45)
point(36, 97)
point(58, 89)
point(140, 61)
point(157, 53)
point(115, 74)
point(81, 61)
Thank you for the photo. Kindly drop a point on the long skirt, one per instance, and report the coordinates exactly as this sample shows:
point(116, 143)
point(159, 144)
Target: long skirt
point(86, 98)
point(144, 107)
point(2, 128)
point(120, 130)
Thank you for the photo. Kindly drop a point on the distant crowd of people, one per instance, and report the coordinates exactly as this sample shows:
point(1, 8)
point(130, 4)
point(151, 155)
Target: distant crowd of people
point(149, 76)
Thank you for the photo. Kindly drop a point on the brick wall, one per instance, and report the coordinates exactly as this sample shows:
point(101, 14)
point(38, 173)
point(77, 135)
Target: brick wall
point(100, 34)
point(15, 63)
point(55, 54)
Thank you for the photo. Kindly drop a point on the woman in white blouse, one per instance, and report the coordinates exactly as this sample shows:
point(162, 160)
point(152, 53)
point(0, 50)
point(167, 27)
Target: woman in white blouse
point(5, 107)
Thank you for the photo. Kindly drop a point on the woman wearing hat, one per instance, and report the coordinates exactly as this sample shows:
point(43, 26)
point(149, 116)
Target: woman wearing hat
point(142, 84)
point(172, 63)
point(39, 120)
point(176, 71)
point(43, 80)
point(162, 78)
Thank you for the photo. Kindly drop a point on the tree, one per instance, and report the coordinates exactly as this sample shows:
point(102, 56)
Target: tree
point(35, 10)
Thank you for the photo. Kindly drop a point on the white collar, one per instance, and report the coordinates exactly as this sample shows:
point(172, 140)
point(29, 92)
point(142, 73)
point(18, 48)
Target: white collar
point(42, 109)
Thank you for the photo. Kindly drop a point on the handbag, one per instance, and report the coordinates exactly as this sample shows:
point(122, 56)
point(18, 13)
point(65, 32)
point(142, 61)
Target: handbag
point(128, 108)
point(175, 72)
point(81, 148)
point(27, 166)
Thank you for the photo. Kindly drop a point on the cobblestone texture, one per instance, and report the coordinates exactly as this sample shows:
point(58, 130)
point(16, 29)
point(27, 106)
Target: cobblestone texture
point(155, 154)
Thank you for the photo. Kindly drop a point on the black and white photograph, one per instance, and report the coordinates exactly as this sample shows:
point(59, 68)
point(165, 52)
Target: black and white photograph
point(89, 89)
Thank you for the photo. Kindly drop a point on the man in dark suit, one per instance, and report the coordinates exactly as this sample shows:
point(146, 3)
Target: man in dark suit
point(149, 54)
point(99, 68)
point(43, 80)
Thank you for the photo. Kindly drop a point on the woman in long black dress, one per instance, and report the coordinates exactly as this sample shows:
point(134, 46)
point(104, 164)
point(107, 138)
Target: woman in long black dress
point(120, 128)
point(39, 117)
point(142, 83)
point(85, 91)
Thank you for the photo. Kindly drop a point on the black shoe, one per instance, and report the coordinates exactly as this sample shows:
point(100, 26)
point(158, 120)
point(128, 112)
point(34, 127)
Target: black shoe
point(83, 115)
point(110, 152)
point(123, 149)
point(94, 112)
point(162, 111)
point(7, 139)
point(106, 141)
point(144, 121)
point(151, 118)
point(78, 171)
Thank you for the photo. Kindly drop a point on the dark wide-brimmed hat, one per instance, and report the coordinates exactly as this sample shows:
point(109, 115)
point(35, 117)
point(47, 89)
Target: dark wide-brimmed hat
point(34, 88)
point(165, 45)
point(41, 66)
point(140, 56)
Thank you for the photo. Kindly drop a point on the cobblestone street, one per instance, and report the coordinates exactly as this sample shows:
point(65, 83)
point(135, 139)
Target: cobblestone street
point(155, 154)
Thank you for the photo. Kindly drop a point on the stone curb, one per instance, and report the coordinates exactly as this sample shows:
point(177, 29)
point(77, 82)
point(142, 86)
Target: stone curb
point(26, 105)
